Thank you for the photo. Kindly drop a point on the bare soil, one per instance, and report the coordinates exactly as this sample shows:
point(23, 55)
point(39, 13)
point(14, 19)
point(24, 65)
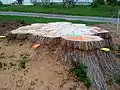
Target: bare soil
point(7, 26)
point(41, 72)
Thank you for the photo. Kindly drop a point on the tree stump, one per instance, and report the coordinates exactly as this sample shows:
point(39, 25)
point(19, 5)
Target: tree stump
point(74, 50)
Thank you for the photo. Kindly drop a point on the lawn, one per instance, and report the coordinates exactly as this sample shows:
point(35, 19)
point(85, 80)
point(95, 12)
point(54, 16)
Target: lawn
point(30, 20)
point(102, 11)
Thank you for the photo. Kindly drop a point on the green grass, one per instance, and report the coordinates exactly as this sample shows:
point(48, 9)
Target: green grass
point(103, 11)
point(23, 60)
point(30, 20)
point(81, 74)
point(114, 79)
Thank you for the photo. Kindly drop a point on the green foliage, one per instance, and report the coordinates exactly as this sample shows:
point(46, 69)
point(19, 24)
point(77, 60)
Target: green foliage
point(118, 3)
point(23, 60)
point(21, 21)
point(1, 3)
point(68, 3)
point(94, 4)
point(112, 2)
point(112, 80)
point(81, 74)
point(117, 79)
point(100, 2)
point(46, 3)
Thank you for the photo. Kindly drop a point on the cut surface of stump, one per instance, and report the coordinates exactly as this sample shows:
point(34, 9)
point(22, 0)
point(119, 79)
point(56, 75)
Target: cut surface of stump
point(74, 44)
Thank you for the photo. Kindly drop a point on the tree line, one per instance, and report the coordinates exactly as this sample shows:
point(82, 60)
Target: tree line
point(69, 3)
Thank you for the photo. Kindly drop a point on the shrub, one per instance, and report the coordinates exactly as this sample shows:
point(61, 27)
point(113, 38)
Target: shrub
point(23, 60)
point(112, 2)
point(117, 79)
point(114, 79)
point(81, 75)
point(94, 4)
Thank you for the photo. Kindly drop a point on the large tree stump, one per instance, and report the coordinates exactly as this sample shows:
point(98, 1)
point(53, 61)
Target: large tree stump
point(71, 52)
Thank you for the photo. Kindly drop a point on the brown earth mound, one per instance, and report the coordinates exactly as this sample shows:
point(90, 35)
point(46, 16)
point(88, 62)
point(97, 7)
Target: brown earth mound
point(41, 72)
point(7, 26)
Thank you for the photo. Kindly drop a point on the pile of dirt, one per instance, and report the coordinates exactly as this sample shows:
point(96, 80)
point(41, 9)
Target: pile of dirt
point(7, 26)
point(41, 71)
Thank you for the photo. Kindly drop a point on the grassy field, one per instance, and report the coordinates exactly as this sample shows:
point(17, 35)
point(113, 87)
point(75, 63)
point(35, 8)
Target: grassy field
point(103, 11)
point(30, 20)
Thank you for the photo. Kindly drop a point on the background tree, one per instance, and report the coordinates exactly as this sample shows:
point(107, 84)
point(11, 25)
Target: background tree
point(47, 3)
point(112, 2)
point(34, 2)
point(101, 2)
point(20, 2)
point(69, 3)
point(1, 3)
point(94, 4)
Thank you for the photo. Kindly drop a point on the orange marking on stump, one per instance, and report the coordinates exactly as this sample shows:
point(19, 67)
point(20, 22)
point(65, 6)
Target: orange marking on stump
point(77, 38)
point(36, 46)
